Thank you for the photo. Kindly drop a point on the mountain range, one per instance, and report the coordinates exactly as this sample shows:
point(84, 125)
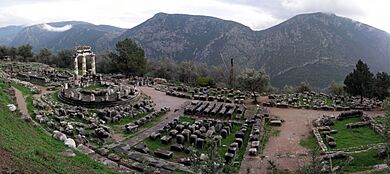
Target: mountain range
point(315, 47)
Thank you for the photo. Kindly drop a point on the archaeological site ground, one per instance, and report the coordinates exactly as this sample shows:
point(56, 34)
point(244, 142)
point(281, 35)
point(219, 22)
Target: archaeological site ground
point(60, 120)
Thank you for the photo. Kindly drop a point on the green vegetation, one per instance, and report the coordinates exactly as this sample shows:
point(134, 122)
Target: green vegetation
point(275, 132)
point(310, 142)
point(254, 81)
point(354, 137)
point(24, 53)
point(204, 81)
point(54, 96)
point(94, 87)
point(362, 82)
point(33, 151)
point(361, 161)
point(267, 133)
point(186, 119)
point(128, 59)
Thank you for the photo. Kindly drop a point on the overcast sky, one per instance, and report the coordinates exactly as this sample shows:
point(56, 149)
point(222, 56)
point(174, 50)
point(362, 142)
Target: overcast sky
point(257, 14)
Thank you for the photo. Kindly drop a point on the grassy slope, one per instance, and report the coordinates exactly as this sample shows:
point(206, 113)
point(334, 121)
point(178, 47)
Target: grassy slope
point(361, 161)
point(354, 137)
point(35, 152)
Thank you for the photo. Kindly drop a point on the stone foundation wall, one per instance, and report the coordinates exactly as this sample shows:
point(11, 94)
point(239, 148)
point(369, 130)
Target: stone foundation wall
point(97, 104)
point(319, 140)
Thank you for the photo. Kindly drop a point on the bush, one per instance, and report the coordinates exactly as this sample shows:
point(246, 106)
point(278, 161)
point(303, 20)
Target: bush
point(205, 81)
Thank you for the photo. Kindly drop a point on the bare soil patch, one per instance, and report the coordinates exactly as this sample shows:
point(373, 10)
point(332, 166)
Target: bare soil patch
point(5, 160)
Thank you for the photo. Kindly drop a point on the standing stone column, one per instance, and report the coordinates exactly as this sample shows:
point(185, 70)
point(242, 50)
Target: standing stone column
point(84, 66)
point(92, 97)
point(76, 67)
point(93, 65)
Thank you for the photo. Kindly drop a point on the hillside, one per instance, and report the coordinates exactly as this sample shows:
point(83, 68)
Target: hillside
point(60, 35)
point(316, 47)
point(28, 149)
point(8, 33)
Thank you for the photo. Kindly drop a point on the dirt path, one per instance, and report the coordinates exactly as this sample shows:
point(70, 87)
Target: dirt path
point(283, 148)
point(160, 99)
point(5, 160)
point(20, 101)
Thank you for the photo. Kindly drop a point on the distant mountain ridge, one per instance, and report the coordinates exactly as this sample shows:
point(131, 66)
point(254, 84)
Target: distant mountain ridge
point(60, 35)
point(8, 33)
point(315, 47)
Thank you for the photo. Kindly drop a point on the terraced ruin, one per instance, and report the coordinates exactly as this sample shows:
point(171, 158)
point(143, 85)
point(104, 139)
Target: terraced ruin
point(141, 124)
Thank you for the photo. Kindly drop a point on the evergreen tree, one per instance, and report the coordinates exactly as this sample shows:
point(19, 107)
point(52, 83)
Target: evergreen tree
point(129, 58)
point(360, 81)
point(44, 56)
point(25, 51)
point(381, 85)
point(304, 87)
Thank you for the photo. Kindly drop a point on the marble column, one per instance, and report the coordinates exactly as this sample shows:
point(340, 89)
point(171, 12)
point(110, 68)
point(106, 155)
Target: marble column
point(84, 66)
point(93, 65)
point(76, 68)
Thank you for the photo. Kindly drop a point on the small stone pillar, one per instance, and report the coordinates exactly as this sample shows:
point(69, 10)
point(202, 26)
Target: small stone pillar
point(76, 68)
point(71, 94)
point(107, 95)
point(80, 96)
point(118, 94)
point(92, 97)
point(66, 85)
point(126, 92)
point(84, 65)
point(93, 65)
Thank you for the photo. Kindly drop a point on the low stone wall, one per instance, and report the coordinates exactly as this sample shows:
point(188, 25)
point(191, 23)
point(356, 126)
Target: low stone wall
point(319, 140)
point(97, 104)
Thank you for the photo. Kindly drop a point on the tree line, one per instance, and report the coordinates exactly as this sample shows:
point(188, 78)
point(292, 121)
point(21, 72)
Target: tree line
point(129, 59)
point(24, 53)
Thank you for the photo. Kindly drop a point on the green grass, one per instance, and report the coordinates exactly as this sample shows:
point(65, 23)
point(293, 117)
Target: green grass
point(346, 138)
point(310, 142)
point(267, 132)
point(328, 101)
point(94, 87)
point(153, 145)
point(33, 151)
point(361, 161)
point(54, 97)
point(186, 119)
point(241, 152)
point(275, 132)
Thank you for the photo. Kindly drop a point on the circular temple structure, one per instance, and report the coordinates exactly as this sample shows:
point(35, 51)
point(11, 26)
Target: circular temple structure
point(91, 91)
point(98, 95)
